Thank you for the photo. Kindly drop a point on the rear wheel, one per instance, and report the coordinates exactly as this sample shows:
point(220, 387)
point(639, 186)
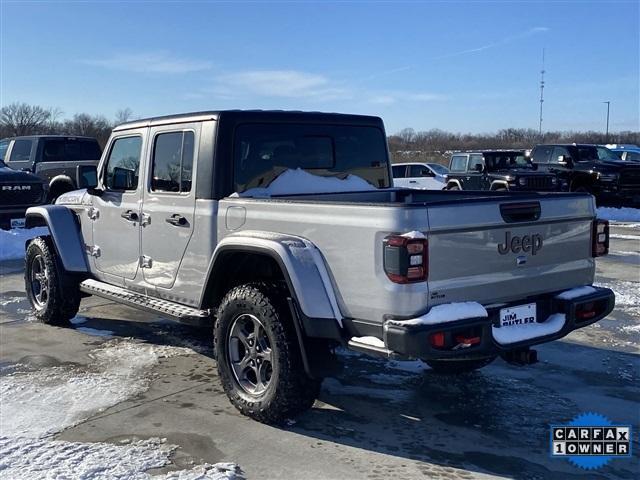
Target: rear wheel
point(52, 292)
point(452, 367)
point(259, 360)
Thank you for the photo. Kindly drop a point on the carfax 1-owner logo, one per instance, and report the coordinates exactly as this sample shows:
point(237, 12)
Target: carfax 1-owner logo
point(590, 441)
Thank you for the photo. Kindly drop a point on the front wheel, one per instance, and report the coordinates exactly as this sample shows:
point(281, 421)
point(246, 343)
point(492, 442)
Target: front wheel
point(259, 360)
point(453, 367)
point(53, 294)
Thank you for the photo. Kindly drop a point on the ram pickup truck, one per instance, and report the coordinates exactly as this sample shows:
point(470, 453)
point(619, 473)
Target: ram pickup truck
point(498, 170)
point(592, 169)
point(18, 191)
point(282, 231)
point(54, 158)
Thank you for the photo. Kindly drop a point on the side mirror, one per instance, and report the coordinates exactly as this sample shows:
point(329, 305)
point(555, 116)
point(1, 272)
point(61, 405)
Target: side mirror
point(565, 159)
point(86, 176)
point(478, 167)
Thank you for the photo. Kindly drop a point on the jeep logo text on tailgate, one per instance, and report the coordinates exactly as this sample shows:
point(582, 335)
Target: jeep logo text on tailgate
point(516, 244)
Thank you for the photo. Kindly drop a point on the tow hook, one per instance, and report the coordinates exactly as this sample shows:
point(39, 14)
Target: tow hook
point(521, 356)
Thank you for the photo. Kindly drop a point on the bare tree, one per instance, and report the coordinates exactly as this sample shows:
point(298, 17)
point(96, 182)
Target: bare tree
point(23, 119)
point(123, 115)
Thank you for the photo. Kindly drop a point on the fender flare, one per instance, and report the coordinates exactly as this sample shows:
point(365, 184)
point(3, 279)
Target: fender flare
point(62, 180)
point(301, 263)
point(452, 182)
point(500, 183)
point(65, 234)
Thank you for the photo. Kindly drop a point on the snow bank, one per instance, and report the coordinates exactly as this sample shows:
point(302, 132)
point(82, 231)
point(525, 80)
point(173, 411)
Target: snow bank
point(34, 459)
point(46, 401)
point(447, 312)
point(518, 333)
point(575, 293)
point(624, 214)
point(295, 181)
point(37, 404)
point(12, 241)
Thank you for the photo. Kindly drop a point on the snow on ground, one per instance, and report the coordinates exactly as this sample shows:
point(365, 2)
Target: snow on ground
point(12, 241)
point(295, 181)
point(624, 214)
point(627, 295)
point(36, 404)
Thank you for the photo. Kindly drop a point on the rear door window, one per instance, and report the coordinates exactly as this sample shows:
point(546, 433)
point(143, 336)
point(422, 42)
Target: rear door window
point(459, 163)
point(419, 171)
point(474, 161)
point(3, 149)
point(172, 162)
point(21, 151)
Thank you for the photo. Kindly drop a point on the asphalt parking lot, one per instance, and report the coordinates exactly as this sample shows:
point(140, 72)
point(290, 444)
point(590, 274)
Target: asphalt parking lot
point(375, 420)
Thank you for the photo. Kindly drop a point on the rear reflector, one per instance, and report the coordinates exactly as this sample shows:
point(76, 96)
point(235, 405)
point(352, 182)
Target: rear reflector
point(437, 339)
point(406, 260)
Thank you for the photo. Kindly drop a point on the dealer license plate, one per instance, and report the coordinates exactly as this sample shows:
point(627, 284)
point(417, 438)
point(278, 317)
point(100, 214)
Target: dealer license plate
point(17, 223)
point(520, 315)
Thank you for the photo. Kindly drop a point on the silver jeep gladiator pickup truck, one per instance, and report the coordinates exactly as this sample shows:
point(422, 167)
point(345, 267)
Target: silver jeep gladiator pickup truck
point(282, 231)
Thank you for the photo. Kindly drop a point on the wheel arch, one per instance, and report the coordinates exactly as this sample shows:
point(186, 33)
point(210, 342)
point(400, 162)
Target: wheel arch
point(499, 184)
point(292, 259)
point(453, 183)
point(65, 234)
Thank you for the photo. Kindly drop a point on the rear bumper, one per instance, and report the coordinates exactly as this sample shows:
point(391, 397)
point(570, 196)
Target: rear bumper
point(414, 340)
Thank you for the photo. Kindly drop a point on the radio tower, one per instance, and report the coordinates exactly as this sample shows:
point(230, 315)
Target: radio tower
point(541, 93)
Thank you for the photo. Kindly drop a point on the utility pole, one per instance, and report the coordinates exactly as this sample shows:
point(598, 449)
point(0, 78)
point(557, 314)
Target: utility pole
point(606, 135)
point(541, 94)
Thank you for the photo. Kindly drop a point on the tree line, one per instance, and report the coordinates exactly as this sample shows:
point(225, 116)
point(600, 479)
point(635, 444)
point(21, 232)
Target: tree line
point(19, 119)
point(435, 145)
point(432, 145)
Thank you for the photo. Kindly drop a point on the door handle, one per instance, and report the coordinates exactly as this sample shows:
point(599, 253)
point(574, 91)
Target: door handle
point(413, 181)
point(129, 215)
point(177, 220)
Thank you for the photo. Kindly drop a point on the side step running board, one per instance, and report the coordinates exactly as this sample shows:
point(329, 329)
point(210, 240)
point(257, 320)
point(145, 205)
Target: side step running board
point(161, 307)
point(369, 349)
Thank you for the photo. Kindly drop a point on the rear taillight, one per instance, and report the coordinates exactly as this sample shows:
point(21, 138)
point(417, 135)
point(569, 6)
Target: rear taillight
point(600, 238)
point(406, 260)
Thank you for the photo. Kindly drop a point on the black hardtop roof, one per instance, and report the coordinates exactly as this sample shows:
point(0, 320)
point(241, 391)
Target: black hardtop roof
point(237, 116)
point(570, 145)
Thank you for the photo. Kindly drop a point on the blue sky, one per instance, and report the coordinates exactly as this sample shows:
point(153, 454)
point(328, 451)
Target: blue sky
point(460, 66)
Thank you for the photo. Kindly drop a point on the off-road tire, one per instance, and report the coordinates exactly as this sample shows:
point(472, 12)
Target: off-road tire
point(289, 391)
point(454, 187)
point(453, 367)
point(62, 298)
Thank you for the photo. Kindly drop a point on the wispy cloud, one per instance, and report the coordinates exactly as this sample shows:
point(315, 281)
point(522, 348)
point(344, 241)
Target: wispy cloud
point(389, 98)
point(280, 83)
point(504, 41)
point(153, 62)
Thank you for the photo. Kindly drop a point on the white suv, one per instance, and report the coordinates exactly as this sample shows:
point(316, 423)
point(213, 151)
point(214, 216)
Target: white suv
point(424, 176)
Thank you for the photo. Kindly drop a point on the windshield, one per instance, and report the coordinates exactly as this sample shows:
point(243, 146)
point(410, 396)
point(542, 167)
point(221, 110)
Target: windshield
point(264, 151)
point(439, 169)
point(506, 160)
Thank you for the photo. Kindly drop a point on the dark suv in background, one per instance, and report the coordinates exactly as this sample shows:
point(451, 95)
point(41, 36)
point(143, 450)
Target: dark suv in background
point(54, 158)
point(593, 169)
point(497, 170)
point(18, 191)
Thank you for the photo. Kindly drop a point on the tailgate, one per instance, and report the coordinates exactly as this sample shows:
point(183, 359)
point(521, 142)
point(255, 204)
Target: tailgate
point(497, 251)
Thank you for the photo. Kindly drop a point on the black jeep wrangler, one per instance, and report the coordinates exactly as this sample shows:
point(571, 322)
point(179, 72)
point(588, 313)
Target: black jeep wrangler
point(593, 169)
point(497, 170)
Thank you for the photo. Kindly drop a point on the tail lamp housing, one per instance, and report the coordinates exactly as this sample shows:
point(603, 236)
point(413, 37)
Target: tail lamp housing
point(600, 238)
point(406, 259)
